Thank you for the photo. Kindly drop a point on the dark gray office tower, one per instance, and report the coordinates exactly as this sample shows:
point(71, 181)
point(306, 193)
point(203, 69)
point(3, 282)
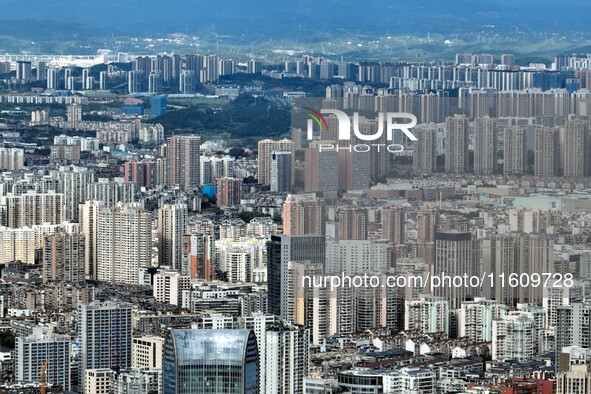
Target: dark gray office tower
point(455, 255)
point(284, 248)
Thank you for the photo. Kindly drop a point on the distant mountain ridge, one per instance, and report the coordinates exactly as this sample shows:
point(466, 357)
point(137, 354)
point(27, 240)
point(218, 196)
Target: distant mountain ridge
point(262, 20)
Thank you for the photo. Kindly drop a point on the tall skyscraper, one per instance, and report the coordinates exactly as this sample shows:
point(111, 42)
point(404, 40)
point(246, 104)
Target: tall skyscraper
point(183, 161)
point(515, 151)
point(103, 80)
point(172, 224)
point(87, 80)
point(216, 361)
point(321, 171)
point(32, 352)
point(455, 254)
point(265, 150)
point(53, 78)
point(485, 145)
point(104, 335)
point(354, 170)
point(74, 115)
point(280, 250)
point(254, 67)
point(393, 225)
point(89, 224)
point(281, 171)
point(155, 82)
point(74, 183)
point(124, 243)
point(456, 144)
point(546, 152)
point(424, 154)
point(23, 71)
point(63, 258)
point(576, 147)
point(228, 191)
point(304, 214)
point(135, 81)
point(287, 356)
point(198, 256)
point(516, 253)
point(41, 71)
point(353, 224)
point(187, 82)
point(12, 159)
point(427, 224)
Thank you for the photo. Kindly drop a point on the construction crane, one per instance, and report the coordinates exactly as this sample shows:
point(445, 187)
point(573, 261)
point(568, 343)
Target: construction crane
point(43, 376)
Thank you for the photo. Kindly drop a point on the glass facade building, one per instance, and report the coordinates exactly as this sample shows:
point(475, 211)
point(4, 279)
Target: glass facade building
point(211, 361)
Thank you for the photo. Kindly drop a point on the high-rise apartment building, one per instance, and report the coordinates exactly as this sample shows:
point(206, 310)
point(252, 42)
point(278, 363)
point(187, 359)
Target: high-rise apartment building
point(515, 151)
point(576, 148)
point(516, 254)
point(187, 82)
point(37, 350)
point(455, 254)
point(321, 171)
point(304, 214)
point(12, 159)
point(110, 193)
point(393, 225)
point(63, 258)
point(265, 151)
point(546, 152)
point(485, 145)
point(32, 208)
point(53, 78)
point(424, 154)
point(353, 224)
point(74, 115)
point(23, 71)
point(287, 356)
point(456, 144)
point(124, 243)
point(280, 250)
point(73, 185)
point(104, 335)
point(183, 161)
point(228, 191)
point(172, 224)
point(281, 171)
point(135, 81)
point(198, 256)
point(89, 212)
point(169, 287)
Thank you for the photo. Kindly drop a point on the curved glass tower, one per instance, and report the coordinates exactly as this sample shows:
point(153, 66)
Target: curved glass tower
point(211, 361)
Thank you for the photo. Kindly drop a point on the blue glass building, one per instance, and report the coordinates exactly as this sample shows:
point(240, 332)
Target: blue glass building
point(210, 362)
point(157, 106)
